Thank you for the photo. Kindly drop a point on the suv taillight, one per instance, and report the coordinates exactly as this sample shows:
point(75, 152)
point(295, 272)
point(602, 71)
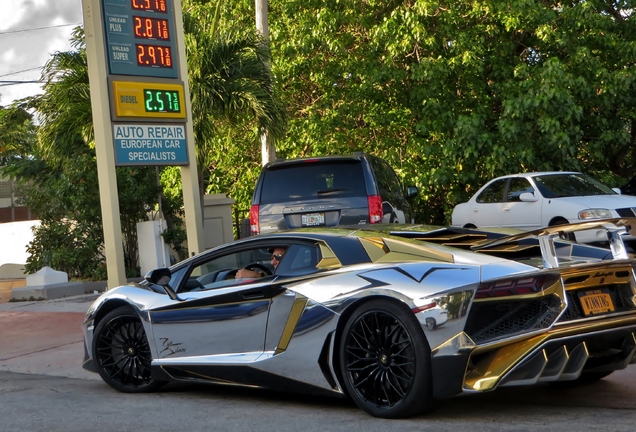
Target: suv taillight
point(254, 226)
point(375, 209)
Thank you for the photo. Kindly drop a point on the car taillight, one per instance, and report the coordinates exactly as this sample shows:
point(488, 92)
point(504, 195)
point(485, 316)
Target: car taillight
point(254, 226)
point(516, 286)
point(375, 209)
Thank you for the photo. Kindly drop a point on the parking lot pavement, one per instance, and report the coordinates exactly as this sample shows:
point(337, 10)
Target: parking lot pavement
point(44, 337)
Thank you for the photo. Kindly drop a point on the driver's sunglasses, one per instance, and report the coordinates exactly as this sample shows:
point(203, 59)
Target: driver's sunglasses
point(277, 257)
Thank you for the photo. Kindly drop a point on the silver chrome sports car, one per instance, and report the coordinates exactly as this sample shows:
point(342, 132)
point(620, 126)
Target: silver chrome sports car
point(348, 313)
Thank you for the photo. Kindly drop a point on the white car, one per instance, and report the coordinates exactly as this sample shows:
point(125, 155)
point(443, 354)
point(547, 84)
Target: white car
point(536, 200)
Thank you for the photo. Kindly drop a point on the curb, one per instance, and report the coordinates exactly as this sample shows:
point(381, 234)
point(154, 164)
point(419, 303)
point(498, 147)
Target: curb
point(59, 290)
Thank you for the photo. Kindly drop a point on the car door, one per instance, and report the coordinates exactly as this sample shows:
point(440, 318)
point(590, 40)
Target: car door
point(520, 214)
point(395, 207)
point(487, 210)
point(215, 315)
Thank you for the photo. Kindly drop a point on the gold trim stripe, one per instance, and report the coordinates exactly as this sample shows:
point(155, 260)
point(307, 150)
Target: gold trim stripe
point(294, 316)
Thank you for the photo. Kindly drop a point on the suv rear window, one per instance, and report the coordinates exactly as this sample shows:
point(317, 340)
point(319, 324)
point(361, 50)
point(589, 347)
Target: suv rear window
point(313, 180)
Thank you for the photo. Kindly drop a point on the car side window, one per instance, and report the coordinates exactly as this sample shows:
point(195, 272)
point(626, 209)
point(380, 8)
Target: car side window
point(299, 260)
point(518, 186)
point(494, 193)
point(388, 181)
point(221, 271)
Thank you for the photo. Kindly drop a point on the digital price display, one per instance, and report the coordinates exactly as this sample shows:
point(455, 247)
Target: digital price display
point(151, 28)
point(151, 5)
point(147, 100)
point(140, 38)
point(153, 56)
point(162, 101)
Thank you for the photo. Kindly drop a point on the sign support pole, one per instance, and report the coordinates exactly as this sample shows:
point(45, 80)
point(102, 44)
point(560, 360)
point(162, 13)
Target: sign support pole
point(109, 199)
point(189, 174)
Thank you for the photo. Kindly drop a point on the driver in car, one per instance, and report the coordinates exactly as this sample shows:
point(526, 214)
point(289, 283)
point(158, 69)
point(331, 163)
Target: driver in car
point(277, 255)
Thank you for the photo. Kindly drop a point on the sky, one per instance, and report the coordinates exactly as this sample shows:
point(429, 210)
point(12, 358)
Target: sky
point(30, 32)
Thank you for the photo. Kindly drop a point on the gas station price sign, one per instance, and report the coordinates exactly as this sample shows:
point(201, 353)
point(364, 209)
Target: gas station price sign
point(147, 100)
point(140, 37)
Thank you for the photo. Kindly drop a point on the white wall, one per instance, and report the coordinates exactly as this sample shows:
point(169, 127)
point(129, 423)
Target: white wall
point(14, 238)
point(153, 252)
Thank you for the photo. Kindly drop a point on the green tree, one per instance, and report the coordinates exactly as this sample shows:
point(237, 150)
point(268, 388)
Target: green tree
point(454, 93)
point(232, 88)
point(17, 136)
point(60, 170)
point(233, 96)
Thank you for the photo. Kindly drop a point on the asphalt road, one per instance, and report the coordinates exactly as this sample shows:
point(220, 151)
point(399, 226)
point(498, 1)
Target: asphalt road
point(44, 388)
point(50, 403)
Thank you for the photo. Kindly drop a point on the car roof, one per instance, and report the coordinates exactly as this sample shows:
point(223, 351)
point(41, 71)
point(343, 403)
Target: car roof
point(534, 174)
point(292, 161)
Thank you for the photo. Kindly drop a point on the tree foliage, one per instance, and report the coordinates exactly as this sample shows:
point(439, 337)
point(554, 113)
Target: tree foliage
point(233, 96)
point(57, 165)
point(450, 93)
point(454, 93)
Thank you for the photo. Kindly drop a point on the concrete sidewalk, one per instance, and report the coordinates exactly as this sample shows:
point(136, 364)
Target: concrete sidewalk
point(44, 337)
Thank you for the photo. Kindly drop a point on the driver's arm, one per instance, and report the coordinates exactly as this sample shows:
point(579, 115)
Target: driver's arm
point(248, 274)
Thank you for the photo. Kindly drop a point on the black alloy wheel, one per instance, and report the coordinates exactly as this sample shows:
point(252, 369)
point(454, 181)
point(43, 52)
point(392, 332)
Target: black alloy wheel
point(122, 353)
point(385, 361)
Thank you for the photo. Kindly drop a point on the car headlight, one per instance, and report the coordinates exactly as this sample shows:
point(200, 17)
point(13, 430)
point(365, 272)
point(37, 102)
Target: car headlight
point(595, 214)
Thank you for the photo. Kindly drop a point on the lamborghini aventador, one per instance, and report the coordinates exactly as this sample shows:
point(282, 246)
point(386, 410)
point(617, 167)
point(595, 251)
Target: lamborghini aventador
point(347, 312)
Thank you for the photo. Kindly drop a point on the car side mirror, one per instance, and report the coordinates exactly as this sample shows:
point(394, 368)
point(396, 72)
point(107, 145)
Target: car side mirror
point(528, 197)
point(161, 277)
point(617, 190)
point(412, 192)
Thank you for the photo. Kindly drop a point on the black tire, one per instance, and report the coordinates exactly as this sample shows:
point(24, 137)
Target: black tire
point(385, 361)
point(562, 221)
point(122, 354)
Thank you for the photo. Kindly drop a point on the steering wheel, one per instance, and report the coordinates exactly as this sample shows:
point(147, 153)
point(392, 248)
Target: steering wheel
point(257, 266)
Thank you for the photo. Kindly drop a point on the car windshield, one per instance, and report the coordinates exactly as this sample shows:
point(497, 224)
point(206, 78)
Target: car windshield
point(568, 185)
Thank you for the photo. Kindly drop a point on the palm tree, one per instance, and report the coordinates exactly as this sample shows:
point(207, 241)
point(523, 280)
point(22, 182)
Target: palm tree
point(64, 110)
point(230, 81)
point(17, 135)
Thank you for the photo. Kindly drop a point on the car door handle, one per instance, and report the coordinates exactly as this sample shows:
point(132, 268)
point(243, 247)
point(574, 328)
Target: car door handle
point(251, 295)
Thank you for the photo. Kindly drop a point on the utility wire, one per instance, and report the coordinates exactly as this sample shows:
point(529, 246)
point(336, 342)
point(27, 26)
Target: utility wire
point(23, 70)
point(37, 28)
point(8, 83)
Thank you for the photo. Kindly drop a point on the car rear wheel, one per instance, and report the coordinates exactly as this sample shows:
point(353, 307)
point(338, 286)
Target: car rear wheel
point(563, 221)
point(385, 361)
point(122, 353)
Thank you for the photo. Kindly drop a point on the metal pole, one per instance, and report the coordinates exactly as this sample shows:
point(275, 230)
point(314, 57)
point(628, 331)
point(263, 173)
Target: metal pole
point(268, 151)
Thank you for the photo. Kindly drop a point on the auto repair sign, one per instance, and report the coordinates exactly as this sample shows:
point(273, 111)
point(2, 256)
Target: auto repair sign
point(150, 145)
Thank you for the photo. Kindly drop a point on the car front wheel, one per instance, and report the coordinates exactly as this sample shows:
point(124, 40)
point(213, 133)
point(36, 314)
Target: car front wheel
point(385, 361)
point(122, 353)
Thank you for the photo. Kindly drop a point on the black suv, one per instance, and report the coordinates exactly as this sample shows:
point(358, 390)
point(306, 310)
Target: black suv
point(328, 191)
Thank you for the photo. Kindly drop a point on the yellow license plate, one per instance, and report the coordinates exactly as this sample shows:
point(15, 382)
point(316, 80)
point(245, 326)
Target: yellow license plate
point(596, 302)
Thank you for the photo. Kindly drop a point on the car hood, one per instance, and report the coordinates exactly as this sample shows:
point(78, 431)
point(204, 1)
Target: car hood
point(602, 201)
